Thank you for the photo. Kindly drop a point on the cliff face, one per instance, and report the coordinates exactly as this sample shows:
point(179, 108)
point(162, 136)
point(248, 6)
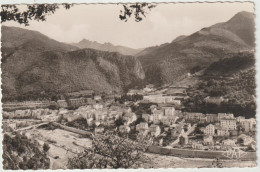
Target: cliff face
point(35, 66)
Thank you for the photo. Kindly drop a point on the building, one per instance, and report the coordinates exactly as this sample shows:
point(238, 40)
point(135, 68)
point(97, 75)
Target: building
point(240, 118)
point(99, 130)
point(97, 98)
point(193, 116)
point(169, 112)
point(142, 126)
point(155, 130)
point(211, 118)
point(161, 99)
point(77, 102)
point(129, 118)
point(157, 116)
point(229, 142)
point(225, 116)
point(100, 115)
point(208, 140)
point(90, 122)
point(124, 129)
point(209, 130)
point(146, 117)
point(248, 124)
point(229, 124)
point(197, 146)
point(62, 103)
point(222, 132)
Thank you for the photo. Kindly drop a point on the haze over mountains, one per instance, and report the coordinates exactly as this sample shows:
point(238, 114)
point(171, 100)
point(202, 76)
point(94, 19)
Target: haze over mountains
point(36, 64)
point(84, 43)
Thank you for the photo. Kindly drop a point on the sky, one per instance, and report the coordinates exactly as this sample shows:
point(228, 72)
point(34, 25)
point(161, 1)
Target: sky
point(165, 22)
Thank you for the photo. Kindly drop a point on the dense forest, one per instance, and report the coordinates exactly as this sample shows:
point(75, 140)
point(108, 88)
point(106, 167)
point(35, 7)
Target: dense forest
point(232, 78)
point(19, 152)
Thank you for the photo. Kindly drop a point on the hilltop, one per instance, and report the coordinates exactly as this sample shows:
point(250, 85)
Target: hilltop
point(38, 66)
point(168, 63)
point(84, 43)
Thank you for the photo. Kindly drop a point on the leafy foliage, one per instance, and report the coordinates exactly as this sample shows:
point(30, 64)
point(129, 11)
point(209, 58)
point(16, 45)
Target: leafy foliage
point(125, 98)
point(19, 152)
point(37, 12)
point(111, 151)
point(232, 78)
point(139, 10)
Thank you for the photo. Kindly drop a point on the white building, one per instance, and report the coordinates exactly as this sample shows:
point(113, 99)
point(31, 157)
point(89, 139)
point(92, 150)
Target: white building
point(155, 130)
point(209, 130)
point(229, 124)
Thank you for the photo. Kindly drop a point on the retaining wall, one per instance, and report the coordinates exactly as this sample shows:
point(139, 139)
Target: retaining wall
point(199, 153)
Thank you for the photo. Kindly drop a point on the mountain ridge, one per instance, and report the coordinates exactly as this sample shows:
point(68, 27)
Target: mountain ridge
point(36, 67)
point(84, 43)
point(168, 63)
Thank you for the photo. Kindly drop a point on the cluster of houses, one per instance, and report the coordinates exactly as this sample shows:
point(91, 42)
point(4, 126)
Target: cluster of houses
point(169, 126)
point(223, 125)
point(38, 114)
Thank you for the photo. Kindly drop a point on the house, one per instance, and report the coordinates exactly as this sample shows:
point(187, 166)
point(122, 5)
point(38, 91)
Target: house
point(193, 116)
point(100, 115)
point(211, 118)
point(97, 98)
point(62, 103)
point(229, 124)
point(197, 146)
point(157, 116)
point(90, 122)
point(141, 126)
point(248, 124)
point(155, 130)
point(166, 121)
point(240, 118)
point(72, 117)
point(169, 112)
point(98, 106)
point(208, 140)
point(124, 129)
point(129, 118)
point(116, 114)
point(229, 142)
point(209, 130)
point(146, 117)
point(99, 130)
point(225, 116)
point(222, 132)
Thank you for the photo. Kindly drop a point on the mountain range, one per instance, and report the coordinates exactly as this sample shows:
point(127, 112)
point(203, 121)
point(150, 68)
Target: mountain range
point(34, 64)
point(84, 43)
point(169, 62)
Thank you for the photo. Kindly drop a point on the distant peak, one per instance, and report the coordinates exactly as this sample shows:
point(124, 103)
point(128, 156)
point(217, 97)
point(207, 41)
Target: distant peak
point(243, 14)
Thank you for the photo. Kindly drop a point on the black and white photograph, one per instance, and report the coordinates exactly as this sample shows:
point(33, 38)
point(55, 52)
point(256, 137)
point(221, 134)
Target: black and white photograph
point(131, 85)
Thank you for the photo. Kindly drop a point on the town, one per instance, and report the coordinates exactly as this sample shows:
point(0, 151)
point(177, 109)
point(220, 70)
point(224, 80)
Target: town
point(149, 111)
